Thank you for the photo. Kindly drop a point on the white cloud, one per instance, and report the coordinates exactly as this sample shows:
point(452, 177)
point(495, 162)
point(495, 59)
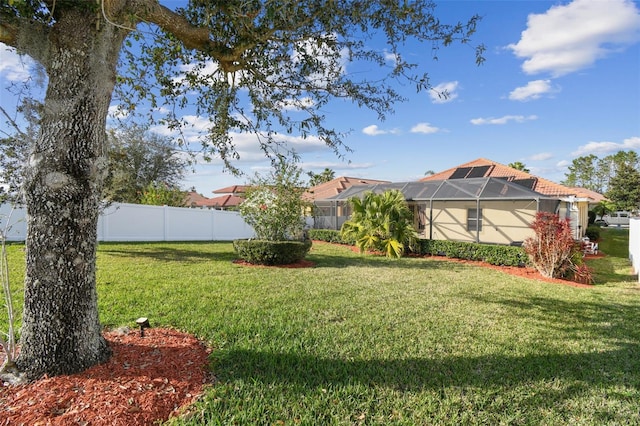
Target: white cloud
point(334, 61)
point(390, 57)
point(570, 37)
point(207, 70)
point(541, 156)
point(296, 104)
point(607, 147)
point(425, 128)
point(246, 145)
point(503, 120)
point(533, 90)
point(335, 166)
point(193, 129)
point(14, 67)
point(374, 130)
point(116, 111)
point(444, 92)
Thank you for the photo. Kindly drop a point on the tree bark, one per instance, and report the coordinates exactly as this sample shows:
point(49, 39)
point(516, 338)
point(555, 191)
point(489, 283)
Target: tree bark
point(61, 332)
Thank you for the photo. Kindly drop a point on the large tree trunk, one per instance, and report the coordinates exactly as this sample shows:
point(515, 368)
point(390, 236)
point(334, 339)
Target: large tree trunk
point(61, 332)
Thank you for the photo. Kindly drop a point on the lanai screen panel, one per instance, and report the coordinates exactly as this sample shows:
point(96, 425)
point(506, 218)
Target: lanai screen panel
point(421, 190)
point(353, 191)
point(500, 189)
point(460, 189)
point(389, 186)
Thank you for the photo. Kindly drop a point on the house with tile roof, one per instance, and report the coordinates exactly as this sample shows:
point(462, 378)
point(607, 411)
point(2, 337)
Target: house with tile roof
point(330, 215)
point(574, 202)
point(480, 201)
point(336, 186)
point(223, 202)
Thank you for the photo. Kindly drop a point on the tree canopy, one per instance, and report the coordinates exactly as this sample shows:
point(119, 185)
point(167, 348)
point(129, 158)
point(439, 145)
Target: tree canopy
point(519, 165)
point(245, 66)
point(614, 175)
point(317, 178)
point(138, 160)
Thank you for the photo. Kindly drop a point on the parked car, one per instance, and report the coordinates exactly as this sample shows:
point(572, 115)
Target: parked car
point(619, 218)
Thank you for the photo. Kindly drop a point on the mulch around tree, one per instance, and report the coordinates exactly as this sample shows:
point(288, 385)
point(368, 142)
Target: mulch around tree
point(147, 379)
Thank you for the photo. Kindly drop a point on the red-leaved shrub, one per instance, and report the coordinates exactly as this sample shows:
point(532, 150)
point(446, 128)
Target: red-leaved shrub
point(552, 248)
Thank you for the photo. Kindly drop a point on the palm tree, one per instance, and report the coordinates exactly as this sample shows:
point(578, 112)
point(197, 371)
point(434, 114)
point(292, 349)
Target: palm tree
point(381, 222)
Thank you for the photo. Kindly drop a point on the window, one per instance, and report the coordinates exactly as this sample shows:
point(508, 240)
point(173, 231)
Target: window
point(474, 223)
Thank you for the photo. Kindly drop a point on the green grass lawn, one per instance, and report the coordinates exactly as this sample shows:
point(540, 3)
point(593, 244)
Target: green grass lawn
point(368, 340)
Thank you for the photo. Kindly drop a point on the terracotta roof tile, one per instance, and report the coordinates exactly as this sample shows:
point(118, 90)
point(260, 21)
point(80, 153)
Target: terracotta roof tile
point(233, 189)
point(196, 200)
point(336, 186)
point(541, 185)
point(225, 201)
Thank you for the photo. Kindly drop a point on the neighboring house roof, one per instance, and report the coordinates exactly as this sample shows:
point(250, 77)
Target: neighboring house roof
point(487, 168)
point(225, 201)
point(196, 200)
point(596, 197)
point(233, 189)
point(336, 186)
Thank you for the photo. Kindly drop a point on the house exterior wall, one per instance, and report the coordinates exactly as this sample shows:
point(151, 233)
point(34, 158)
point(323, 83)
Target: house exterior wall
point(503, 222)
point(578, 214)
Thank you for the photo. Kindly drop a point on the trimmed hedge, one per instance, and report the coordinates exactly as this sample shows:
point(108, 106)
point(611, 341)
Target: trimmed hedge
point(593, 233)
point(329, 236)
point(263, 252)
point(493, 254)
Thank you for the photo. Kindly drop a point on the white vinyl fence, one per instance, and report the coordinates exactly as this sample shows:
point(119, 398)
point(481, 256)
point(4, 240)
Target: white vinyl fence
point(135, 222)
point(634, 245)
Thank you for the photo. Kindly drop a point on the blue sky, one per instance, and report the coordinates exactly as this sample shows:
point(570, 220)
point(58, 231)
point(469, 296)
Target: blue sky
point(561, 80)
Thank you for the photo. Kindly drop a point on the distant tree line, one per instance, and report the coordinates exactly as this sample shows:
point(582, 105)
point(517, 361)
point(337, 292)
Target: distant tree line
point(616, 176)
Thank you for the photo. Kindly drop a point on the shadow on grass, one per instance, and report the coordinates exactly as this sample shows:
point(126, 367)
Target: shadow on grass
point(539, 377)
point(371, 261)
point(305, 371)
point(604, 321)
point(198, 251)
point(607, 270)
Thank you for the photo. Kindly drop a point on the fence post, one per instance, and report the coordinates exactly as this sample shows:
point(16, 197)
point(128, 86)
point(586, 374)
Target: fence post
point(634, 245)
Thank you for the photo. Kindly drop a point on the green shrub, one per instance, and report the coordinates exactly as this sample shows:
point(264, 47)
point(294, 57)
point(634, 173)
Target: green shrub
point(263, 252)
point(329, 236)
point(492, 254)
point(381, 222)
point(593, 233)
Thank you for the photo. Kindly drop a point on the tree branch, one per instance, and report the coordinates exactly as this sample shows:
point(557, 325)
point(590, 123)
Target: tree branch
point(191, 36)
point(8, 33)
point(12, 122)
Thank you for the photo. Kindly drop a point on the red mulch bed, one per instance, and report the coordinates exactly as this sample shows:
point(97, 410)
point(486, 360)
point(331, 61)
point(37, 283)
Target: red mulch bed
point(147, 379)
point(530, 273)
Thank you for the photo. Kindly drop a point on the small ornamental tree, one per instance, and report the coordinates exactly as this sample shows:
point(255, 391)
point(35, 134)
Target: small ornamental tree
point(274, 208)
point(273, 204)
point(552, 250)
